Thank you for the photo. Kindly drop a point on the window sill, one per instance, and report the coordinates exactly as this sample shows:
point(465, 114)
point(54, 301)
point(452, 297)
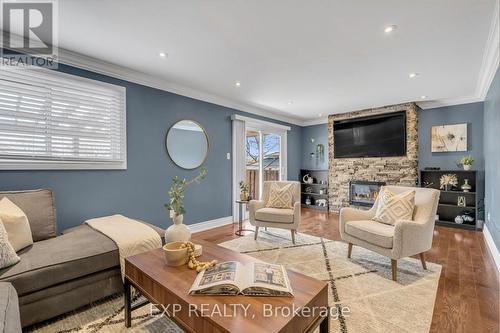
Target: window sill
point(16, 165)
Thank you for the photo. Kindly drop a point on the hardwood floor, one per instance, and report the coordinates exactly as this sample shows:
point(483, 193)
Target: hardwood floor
point(468, 295)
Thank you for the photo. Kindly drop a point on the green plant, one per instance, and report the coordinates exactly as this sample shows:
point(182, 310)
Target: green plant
point(467, 160)
point(244, 188)
point(176, 192)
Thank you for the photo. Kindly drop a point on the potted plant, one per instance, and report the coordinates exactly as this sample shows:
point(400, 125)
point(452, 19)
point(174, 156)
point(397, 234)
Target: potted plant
point(467, 162)
point(244, 189)
point(179, 231)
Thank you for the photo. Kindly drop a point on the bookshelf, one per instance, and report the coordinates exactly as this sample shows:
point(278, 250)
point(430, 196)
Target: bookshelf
point(317, 191)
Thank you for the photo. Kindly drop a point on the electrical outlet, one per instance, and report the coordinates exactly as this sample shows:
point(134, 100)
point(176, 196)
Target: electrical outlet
point(488, 216)
point(228, 156)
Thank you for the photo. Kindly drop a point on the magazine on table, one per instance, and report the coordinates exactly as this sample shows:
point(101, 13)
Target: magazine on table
point(234, 278)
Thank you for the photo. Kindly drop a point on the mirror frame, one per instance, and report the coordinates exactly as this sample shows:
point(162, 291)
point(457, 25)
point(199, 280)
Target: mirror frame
point(206, 138)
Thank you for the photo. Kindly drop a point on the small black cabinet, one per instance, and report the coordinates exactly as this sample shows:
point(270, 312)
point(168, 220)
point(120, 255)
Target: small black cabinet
point(454, 201)
point(317, 191)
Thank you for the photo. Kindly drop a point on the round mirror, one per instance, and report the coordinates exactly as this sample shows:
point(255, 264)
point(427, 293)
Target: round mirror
point(187, 144)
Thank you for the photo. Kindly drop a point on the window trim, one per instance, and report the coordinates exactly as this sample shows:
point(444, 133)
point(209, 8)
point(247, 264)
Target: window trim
point(14, 163)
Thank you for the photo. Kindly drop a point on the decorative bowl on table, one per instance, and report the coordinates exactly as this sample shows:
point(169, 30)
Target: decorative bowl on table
point(174, 254)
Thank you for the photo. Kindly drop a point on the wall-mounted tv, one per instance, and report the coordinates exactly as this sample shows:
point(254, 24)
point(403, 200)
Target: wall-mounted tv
point(374, 136)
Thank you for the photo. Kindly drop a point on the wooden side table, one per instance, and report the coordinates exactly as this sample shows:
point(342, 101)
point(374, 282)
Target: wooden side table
point(240, 230)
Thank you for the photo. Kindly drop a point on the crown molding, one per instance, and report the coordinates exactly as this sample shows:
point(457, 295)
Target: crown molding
point(120, 72)
point(318, 121)
point(448, 102)
point(491, 56)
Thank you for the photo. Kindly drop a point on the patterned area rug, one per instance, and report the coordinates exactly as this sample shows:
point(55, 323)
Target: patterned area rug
point(362, 285)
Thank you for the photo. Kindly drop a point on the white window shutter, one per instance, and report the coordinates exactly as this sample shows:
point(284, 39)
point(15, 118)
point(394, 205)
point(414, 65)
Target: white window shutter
point(52, 120)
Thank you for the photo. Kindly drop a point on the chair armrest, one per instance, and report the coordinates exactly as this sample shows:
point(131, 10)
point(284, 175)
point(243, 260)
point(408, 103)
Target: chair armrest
point(253, 206)
point(296, 214)
point(412, 237)
point(353, 214)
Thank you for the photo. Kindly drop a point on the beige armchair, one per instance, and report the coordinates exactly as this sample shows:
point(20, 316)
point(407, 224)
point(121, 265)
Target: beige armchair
point(262, 216)
point(404, 239)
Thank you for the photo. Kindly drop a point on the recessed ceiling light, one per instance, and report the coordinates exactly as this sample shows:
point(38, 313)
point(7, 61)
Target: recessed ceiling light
point(238, 84)
point(290, 102)
point(390, 28)
point(320, 115)
point(413, 75)
point(163, 54)
point(423, 97)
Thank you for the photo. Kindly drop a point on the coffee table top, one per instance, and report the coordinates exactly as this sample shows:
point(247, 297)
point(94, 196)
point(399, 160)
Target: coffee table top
point(149, 270)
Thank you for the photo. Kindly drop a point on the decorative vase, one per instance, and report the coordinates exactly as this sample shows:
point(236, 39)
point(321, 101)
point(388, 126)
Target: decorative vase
point(459, 220)
point(467, 167)
point(308, 201)
point(466, 187)
point(177, 232)
point(307, 179)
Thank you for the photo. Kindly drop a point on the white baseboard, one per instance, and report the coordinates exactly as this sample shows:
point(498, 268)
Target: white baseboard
point(491, 245)
point(206, 225)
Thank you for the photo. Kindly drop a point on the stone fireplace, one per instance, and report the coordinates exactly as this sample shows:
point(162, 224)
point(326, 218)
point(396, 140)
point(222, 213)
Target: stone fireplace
point(402, 170)
point(363, 193)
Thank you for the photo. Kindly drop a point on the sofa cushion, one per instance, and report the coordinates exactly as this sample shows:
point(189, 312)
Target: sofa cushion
point(278, 215)
point(10, 322)
point(372, 232)
point(52, 261)
point(38, 205)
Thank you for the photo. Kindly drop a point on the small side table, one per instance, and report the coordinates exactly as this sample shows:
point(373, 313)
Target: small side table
point(240, 230)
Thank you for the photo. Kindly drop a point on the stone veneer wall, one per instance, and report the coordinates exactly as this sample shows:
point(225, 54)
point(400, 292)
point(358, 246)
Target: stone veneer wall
point(392, 170)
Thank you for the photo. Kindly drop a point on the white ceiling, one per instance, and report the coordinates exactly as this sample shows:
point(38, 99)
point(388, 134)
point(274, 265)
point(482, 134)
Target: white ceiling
point(324, 56)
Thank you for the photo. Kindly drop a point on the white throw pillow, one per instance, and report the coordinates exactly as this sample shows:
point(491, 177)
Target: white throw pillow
point(8, 256)
point(16, 224)
point(395, 207)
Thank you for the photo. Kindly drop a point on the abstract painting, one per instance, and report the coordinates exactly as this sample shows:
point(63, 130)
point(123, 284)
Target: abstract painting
point(448, 138)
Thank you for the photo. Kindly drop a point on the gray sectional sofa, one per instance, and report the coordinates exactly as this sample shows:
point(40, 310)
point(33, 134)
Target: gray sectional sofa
point(61, 273)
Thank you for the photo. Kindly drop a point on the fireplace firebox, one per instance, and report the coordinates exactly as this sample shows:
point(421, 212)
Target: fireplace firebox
point(363, 193)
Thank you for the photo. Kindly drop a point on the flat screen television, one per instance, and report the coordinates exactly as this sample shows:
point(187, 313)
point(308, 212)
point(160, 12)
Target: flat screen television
point(374, 136)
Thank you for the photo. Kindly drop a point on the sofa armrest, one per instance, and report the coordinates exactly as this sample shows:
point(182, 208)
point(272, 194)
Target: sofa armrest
point(10, 320)
point(253, 206)
point(412, 237)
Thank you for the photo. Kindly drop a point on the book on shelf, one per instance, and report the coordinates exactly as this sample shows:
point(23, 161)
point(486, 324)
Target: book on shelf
point(234, 278)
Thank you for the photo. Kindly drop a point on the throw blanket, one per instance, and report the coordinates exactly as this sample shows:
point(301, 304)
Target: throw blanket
point(131, 237)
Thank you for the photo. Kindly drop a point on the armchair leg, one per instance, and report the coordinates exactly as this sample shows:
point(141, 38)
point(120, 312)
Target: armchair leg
point(422, 259)
point(293, 235)
point(349, 250)
point(256, 232)
point(394, 268)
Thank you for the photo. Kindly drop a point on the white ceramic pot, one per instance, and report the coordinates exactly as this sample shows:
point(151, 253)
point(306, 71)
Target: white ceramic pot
point(178, 232)
point(467, 167)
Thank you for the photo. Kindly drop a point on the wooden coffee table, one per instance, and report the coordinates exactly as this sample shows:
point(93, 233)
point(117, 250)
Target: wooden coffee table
point(167, 288)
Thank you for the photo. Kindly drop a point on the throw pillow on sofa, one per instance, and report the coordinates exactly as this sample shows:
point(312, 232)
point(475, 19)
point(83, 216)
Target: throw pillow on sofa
point(16, 224)
point(395, 207)
point(280, 197)
point(8, 256)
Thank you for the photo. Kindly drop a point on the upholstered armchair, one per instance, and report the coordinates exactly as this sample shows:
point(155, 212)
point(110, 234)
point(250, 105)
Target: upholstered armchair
point(262, 216)
point(404, 239)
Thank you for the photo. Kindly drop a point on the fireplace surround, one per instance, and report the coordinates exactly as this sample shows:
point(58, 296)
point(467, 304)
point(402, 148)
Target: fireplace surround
point(363, 193)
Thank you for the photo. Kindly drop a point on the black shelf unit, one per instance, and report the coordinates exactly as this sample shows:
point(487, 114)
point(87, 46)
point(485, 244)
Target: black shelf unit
point(448, 207)
point(320, 183)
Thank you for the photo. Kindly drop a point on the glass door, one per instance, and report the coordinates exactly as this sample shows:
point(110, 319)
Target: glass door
point(263, 159)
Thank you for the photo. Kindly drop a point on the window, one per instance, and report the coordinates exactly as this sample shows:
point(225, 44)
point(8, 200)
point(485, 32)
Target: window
point(52, 120)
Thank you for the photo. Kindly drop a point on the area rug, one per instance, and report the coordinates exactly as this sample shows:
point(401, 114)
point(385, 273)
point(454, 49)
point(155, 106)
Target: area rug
point(362, 286)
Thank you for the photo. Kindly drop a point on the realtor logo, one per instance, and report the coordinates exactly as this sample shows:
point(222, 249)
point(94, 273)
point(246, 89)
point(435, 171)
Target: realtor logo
point(29, 33)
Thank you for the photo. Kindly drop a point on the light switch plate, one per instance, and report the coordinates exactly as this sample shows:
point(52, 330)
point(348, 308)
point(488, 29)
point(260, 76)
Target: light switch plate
point(228, 156)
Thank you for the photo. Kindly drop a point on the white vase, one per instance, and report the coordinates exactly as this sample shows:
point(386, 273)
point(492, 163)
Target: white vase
point(467, 167)
point(177, 232)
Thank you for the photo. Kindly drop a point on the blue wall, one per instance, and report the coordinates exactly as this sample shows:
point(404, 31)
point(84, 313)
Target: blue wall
point(492, 158)
point(320, 135)
point(472, 114)
point(142, 189)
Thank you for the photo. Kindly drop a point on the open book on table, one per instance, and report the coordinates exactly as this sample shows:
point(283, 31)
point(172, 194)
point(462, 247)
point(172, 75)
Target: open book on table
point(234, 278)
